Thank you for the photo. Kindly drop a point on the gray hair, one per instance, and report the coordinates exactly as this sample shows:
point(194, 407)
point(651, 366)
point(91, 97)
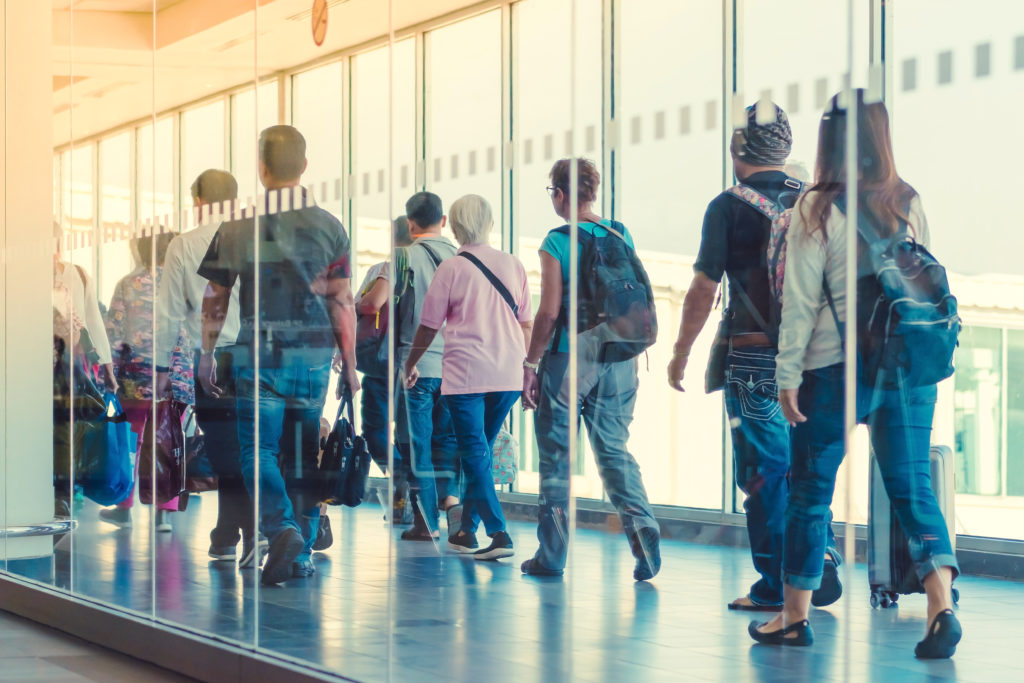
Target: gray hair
point(471, 219)
point(213, 186)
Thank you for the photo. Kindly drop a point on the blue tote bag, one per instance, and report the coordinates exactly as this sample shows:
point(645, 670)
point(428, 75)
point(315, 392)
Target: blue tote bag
point(103, 466)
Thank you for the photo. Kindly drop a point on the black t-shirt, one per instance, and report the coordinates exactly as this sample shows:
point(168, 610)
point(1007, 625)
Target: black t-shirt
point(297, 250)
point(734, 240)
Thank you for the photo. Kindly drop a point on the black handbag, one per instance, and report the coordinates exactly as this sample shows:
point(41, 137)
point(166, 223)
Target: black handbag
point(345, 462)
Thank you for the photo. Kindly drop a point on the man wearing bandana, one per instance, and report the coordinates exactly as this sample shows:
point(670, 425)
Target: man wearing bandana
point(734, 242)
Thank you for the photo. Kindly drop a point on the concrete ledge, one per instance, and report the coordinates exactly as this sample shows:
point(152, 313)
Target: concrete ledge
point(203, 657)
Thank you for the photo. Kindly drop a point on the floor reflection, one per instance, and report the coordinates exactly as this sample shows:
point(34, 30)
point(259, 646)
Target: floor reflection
point(378, 613)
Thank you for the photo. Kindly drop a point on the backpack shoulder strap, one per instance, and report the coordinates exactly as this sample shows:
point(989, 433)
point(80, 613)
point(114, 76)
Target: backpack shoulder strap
point(755, 199)
point(432, 254)
point(498, 285)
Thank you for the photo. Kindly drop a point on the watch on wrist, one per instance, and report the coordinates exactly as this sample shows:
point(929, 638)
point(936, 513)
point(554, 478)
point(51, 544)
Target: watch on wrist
point(532, 366)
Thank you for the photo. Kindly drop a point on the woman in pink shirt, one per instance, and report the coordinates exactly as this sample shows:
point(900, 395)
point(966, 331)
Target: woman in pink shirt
point(482, 298)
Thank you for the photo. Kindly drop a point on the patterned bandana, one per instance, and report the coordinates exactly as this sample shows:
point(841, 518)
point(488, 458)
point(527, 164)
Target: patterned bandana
point(764, 144)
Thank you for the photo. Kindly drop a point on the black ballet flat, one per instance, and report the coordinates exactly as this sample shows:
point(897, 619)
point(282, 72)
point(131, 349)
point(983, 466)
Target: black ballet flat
point(943, 635)
point(804, 635)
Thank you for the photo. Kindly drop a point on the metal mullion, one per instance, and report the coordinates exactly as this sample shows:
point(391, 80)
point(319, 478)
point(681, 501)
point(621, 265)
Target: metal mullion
point(1004, 397)
point(133, 177)
point(349, 183)
point(507, 148)
point(177, 216)
point(97, 218)
point(611, 76)
point(422, 111)
point(731, 45)
point(347, 149)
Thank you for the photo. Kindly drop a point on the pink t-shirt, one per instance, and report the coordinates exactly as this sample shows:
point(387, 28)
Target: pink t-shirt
point(483, 341)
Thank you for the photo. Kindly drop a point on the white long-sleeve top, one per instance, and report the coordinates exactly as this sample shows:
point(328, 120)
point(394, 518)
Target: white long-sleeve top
point(87, 307)
point(180, 295)
point(808, 336)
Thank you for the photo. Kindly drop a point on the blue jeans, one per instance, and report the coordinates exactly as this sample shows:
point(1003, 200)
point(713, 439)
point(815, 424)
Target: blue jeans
point(900, 425)
point(606, 397)
point(760, 448)
point(291, 399)
point(375, 424)
point(477, 419)
point(428, 441)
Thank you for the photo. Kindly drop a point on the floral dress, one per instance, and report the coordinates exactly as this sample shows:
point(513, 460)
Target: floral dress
point(129, 323)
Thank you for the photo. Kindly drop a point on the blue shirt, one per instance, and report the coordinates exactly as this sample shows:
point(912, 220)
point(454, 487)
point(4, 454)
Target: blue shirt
point(557, 245)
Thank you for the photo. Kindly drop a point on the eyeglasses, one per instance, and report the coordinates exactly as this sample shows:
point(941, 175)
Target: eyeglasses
point(552, 189)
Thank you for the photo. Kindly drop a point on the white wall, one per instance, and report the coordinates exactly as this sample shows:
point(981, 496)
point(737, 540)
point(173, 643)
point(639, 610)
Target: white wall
point(26, 147)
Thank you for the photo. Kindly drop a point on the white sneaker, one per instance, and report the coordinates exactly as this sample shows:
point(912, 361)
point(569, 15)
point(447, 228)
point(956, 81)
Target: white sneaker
point(163, 521)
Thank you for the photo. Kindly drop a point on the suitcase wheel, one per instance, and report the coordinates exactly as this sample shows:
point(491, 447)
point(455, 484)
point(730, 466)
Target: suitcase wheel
point(956, 596)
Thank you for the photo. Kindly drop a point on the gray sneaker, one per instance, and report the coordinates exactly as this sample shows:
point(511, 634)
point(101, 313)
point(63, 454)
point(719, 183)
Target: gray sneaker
point(248, 559)
point(119, 517)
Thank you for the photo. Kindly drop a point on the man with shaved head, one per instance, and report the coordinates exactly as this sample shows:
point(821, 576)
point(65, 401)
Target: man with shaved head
point(292, 316)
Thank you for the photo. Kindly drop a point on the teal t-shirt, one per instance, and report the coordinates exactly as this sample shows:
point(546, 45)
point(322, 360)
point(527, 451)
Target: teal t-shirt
point(557, 245)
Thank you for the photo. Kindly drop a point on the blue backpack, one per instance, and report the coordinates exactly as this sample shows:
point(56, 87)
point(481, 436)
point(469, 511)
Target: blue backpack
point(907, 321)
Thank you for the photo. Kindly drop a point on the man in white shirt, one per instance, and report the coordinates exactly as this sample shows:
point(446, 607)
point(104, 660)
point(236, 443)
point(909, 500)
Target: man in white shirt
point(180, 303)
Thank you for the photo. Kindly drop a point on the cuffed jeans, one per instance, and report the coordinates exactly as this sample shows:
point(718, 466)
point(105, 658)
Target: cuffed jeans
point(291, 399)
point(760, 448)
point(477, 419)
point(425, 429)
point(900, 425)
point(606, 397)
point(218, 419)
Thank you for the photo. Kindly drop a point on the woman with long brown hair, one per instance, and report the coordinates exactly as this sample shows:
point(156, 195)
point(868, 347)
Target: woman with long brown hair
point(810, 376)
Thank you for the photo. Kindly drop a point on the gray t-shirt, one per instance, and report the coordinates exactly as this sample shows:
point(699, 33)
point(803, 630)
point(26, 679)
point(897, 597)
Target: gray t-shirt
point(422, 267)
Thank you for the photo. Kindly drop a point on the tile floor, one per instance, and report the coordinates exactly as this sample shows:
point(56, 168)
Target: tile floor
point(30, 652)
point(380, 609)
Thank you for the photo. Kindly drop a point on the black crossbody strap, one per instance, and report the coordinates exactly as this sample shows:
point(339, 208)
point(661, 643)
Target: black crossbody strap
point(498, 285)
point(835, 314)
point(752, 309)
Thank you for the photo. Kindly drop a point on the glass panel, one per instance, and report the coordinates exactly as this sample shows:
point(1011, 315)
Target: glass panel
point(968, 70)
point(115, 210)
point(463, 110)
point(202, 146)
point(155, 170)
point(294, 265)
point(541, 127)
point(203, 537)
point(317, 112)
point(248, 118)
point(671, 138)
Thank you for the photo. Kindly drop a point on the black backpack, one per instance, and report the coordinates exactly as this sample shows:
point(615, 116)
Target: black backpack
point(907, 321)
point(613, 289)
point(372, 330)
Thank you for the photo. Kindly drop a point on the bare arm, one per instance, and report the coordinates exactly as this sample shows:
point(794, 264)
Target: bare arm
point(546, 320)
point(527, 327)
point(700, 297)
point(544, 325)
point(420, 343)
point(215, 310)
point(374, 300)
point(342, 310)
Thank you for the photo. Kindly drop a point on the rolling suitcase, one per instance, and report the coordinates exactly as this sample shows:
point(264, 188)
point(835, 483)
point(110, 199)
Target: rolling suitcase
point(890, 569)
